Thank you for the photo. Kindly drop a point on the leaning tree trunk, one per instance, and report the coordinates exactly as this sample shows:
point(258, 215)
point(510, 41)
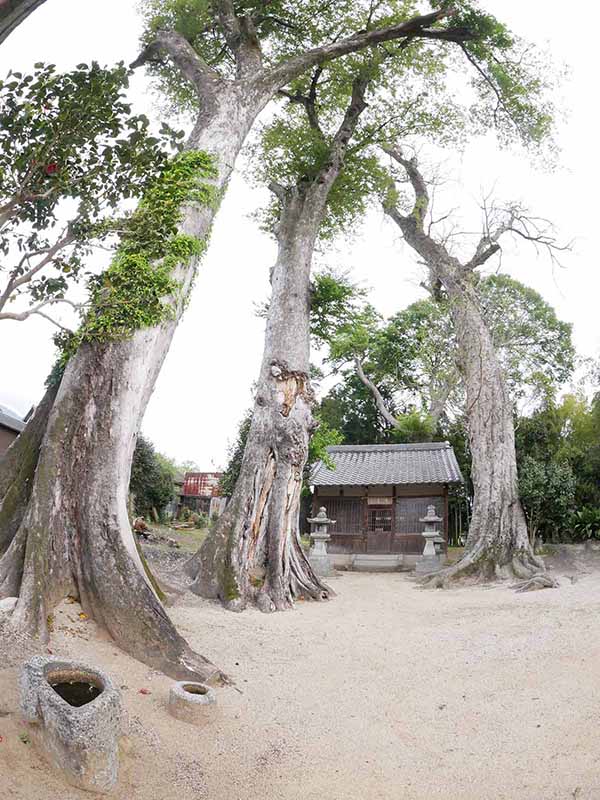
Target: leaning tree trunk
point(498, 544)
point(255, 555)
point(73, 535)
point(13, 13)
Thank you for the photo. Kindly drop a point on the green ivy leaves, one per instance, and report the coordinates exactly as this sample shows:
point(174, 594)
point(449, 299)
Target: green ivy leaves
point(133, 292)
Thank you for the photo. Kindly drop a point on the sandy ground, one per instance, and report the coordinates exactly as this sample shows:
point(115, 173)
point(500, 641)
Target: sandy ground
point(388, 691)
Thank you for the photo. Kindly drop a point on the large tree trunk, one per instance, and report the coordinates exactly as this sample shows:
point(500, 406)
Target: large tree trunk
point(73, 535)
point(13, 13)
point(17, 470)
point(498, 544)
point(255, 554)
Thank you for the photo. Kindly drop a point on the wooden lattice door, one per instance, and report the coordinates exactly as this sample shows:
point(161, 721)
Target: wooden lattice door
point(379, 529)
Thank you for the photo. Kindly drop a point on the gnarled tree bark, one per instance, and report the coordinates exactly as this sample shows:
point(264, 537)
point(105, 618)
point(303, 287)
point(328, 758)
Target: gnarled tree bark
point(254, 555)
point(17, 470)
point(497, 545)
point(73, 536)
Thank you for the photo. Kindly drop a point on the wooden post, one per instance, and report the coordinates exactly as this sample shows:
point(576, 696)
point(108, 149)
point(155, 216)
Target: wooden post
point(366, 521)
point(446, 517)
point(393, 539)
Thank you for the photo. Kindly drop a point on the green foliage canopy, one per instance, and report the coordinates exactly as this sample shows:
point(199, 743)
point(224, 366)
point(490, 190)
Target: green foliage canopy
point(413, 354)
point(417, 85)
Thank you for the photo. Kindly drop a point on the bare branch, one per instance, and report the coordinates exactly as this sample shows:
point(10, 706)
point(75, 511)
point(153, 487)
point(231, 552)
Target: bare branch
point(518, 222)
point(21, 316)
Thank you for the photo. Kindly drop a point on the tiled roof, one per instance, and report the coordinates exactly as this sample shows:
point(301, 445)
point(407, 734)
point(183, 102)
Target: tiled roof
point(388, 464)
point(8, 419)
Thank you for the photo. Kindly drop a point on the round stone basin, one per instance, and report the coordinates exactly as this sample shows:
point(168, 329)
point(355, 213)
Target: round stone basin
point(192, 702)
point(195, 688)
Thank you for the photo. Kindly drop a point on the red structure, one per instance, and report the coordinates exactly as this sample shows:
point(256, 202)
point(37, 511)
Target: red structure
point(201, 484)
point(199, 489)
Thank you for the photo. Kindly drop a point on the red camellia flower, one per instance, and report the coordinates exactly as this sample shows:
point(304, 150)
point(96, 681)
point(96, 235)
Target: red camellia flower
point(51, 168)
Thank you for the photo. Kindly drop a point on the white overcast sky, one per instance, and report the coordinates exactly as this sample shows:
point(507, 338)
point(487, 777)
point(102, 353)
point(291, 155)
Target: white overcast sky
point(205, 384)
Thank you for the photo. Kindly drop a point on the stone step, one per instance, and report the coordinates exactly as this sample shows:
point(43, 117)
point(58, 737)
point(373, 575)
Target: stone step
point(372, 562)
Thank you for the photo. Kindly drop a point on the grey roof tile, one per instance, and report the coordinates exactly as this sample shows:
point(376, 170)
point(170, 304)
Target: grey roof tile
point(8, 419)
point(381, 464)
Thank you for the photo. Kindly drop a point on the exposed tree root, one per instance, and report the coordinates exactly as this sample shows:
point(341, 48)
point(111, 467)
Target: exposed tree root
point(534, 583)
point(299, 583)
point(482, 566)
point(66, 532)
point(126, 606)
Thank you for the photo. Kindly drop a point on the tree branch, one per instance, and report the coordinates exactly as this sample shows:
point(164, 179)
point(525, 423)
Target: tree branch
point(185, 58)
point(379, 401)
point(278, 190)
point(421, 205)
point(15, 280)
point(485, 250)
point(12, 14)
point(519, 223)
point(419, 27)
point(241, 38)
point(21, 316)
point(339, 146)
point(308, 101)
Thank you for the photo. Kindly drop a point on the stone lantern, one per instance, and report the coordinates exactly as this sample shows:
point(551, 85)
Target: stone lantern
point(430, 561)
point(317, 555)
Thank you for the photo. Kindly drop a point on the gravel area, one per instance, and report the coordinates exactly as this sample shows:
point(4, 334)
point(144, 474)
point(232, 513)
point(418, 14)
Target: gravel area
point(387, 691)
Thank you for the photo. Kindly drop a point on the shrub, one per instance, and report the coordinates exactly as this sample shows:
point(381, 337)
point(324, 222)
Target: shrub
point(586, 524)
point(200, 519)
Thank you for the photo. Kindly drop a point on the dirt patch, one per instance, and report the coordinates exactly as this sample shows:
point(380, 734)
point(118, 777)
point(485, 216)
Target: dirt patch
point(385, 692)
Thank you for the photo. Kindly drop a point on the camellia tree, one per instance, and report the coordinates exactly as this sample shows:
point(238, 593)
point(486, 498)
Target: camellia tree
point(68, 486)
point(71, 152)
